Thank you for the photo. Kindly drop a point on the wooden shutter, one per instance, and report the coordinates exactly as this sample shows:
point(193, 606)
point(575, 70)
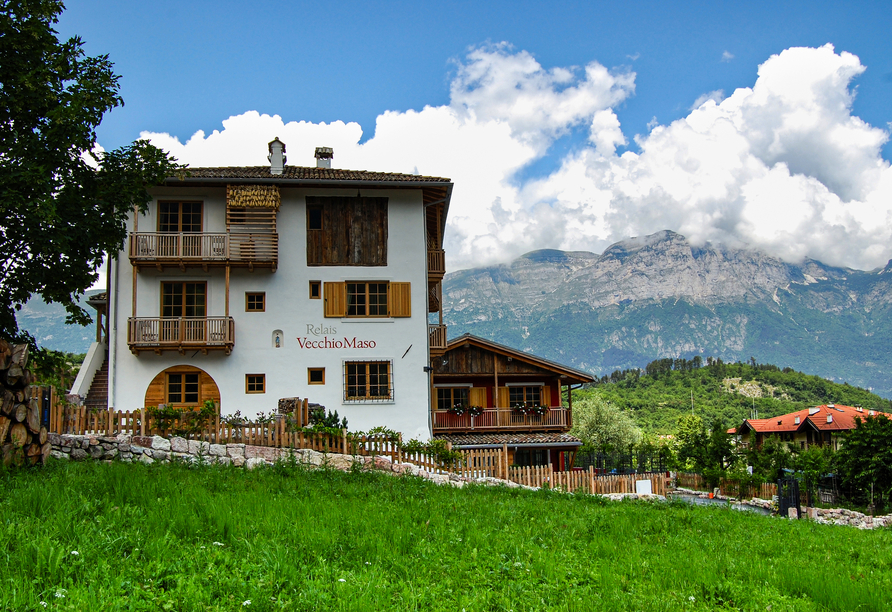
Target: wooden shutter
point(546, 396)
point(477, 396)
point(335, 298)
point(503, 397)
point(399, 299)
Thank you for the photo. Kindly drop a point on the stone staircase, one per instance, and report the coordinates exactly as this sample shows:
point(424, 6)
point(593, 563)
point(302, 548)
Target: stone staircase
point(97, 396)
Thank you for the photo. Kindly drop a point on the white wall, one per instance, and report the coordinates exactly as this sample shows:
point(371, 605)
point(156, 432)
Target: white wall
point(403, 341)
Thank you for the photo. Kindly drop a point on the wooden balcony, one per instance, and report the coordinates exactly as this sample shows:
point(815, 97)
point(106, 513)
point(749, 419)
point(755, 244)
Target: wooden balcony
point(437, 334)
point(206, 249)
point(502, 419)
point(436, 264)
point(180, 334)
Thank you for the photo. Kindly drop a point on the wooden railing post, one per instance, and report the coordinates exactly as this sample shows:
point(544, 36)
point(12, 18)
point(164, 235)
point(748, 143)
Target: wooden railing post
point(142, 421)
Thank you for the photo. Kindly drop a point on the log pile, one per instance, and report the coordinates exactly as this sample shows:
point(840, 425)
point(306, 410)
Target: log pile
point(22, 437)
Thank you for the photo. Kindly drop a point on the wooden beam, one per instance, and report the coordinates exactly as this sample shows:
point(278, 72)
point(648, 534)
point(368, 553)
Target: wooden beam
point(133, 297)
point(227, 289)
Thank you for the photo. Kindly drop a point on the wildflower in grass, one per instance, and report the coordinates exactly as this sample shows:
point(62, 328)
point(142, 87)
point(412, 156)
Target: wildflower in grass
point(341, 580)
point(246, 603)
point(691, 598)
point(43, 603)
point(60, 593)
point(75, 553)
point(218, 543)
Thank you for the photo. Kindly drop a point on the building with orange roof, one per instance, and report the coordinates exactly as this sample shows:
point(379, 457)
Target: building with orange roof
point(820, 425)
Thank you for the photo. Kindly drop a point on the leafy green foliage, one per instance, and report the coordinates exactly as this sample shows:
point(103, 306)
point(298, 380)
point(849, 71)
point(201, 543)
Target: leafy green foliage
point(60, 213)
point(175, 537)
point(183, 420)
point(602, 426)
point(864, 460)
point(707, 451)
point(659, 395)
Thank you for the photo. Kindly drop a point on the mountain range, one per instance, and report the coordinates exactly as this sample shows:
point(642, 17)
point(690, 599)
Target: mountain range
point(659, 296)
point(650, 298)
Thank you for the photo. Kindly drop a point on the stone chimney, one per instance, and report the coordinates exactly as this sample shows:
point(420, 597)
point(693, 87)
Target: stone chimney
point(276, 156)
point(324, 156)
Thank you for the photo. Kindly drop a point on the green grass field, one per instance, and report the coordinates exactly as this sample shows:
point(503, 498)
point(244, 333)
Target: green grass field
point(132, 537)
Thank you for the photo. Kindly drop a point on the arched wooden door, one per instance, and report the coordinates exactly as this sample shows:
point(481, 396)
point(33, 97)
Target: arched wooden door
point(182, 385)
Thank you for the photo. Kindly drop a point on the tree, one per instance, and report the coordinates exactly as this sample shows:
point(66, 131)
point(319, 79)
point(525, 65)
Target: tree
point(58, 213)
point(706, 451)
point(864, 460)
point(602, 426)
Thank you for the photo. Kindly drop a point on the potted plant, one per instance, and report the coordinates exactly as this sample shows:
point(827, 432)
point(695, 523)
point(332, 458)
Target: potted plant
point(475, 411)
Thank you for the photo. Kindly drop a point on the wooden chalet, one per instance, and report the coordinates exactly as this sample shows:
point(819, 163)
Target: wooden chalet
point(487, 395)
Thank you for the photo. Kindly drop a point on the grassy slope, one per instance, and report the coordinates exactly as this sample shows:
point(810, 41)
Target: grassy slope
point(293, 540)
point(656, 402)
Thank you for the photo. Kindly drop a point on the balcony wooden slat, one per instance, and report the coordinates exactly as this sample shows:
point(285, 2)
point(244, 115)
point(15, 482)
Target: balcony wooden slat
point(180, 333)
point(437, 334)
point(204, 249)
point(502, 419)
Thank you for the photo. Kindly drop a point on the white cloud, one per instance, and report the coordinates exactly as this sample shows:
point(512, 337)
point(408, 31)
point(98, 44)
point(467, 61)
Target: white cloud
point(727, 56)
point(711, 96)
point(782, 165)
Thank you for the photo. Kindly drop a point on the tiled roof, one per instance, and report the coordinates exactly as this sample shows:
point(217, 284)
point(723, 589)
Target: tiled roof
point(843, 419)
point(511, 439)
point(299, 173)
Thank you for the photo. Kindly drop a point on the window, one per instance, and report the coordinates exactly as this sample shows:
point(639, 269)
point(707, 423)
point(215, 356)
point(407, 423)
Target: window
point(316, 376)
point(367, 299)
point(368, 381)
point(314, 217)
point(174, 217)
point(315, 290)
point(346, 231)
point(255, 383)
point(531, 457)
point(527, 396)
point(449, 397)
point(183, 388)
point(183, 299)
point(255, 302)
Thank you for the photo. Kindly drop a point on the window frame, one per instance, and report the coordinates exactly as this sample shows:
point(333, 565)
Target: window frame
point(367, 375)
point(255, 294)
point(258, 384)
point(527, 391)
point(182, 294)
point(382, 292)
point(310, 372)
point(179, 216)
point(445, 403)
point(183, 388)
point(315, 286)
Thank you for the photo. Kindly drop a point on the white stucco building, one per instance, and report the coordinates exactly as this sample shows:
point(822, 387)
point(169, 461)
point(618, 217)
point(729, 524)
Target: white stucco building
point(250, 284)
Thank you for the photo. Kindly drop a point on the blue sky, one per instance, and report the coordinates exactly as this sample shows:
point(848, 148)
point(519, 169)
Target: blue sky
point(191, 66)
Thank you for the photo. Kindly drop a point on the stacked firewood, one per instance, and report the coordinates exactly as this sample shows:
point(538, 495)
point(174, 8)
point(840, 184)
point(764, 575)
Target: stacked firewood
point(22, 438)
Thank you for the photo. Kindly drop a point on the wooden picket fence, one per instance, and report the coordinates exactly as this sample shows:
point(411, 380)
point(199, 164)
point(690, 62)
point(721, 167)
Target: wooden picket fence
point(586, 481)
point(731, 488)
point(277, 432)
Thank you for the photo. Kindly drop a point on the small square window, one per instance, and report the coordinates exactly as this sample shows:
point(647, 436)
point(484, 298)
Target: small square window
point(255, 383)
point(315, 290)
point(255, 302)
point(316, 376)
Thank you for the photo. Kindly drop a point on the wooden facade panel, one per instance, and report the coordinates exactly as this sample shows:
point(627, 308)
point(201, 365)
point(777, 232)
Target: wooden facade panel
point(353, 231)
point(477, 361)
point(156, 393)
point(477, 396)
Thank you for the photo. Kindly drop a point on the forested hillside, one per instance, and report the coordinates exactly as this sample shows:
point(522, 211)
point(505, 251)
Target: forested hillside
point(668, 388)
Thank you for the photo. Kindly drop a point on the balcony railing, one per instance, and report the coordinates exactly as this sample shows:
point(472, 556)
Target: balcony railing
point(437, 334)
point(207, 248)
point(180, 334)
point(436, 264)
point(505, 419)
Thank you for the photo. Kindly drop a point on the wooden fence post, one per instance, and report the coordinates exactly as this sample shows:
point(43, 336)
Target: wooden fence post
point(142, 421)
